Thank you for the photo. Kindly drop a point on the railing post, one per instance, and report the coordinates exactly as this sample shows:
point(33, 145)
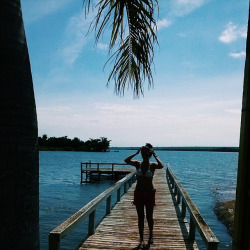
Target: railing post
point(183, 208)
point(125, 187)
point(92, 223)
point(98, 166)
point(112, 171)
point(191, 229)
point(178, 197)
point(212, 246)
point(54, 242)
point(81, 172)
point(130, 182)
point(175, 189)
point(118, 194)
point(108, 205)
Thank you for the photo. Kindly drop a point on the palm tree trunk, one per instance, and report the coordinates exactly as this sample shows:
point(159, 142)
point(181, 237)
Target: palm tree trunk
point(241, 238)
point(19, 165)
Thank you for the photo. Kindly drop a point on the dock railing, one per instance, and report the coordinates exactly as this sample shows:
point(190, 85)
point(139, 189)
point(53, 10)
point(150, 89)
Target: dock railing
point(99, 166)
point(89, 211)
point(196, 220)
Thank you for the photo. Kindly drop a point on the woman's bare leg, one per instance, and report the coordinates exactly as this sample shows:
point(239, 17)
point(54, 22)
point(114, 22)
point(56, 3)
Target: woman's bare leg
point(140, 213)
point(149, 215)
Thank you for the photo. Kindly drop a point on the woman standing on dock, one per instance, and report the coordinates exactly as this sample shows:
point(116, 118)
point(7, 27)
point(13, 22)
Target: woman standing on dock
point(144, 194)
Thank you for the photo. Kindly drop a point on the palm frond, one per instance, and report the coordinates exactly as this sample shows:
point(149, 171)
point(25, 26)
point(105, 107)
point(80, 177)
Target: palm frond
point(133, 32)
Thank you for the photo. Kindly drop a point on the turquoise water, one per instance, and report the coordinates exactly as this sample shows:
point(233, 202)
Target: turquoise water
point(207, 177)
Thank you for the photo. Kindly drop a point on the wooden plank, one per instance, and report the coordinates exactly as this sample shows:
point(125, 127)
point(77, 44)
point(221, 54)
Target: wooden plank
point(71, 223)
point(119, 229)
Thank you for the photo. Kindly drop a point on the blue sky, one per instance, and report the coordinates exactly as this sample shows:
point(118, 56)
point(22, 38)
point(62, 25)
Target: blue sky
point(198, 75)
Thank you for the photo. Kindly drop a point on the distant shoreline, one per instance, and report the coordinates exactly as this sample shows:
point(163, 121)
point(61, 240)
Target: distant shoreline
point(206, 149)
point(211, 149)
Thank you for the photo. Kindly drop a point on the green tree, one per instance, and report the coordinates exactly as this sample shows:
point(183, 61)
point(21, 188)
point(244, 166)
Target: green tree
point(97, 145)
point(19, 192)
point(104, 143)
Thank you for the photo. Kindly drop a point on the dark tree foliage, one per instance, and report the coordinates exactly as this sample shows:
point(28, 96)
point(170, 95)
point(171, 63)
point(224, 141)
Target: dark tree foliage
point(97, 145)
point(67, 144)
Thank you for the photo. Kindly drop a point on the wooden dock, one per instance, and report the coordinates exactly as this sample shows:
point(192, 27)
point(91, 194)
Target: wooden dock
point(98, 171)
point(119, 229)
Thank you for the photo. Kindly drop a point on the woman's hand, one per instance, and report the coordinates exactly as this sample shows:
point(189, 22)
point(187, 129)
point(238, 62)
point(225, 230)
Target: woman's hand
point(139, 150)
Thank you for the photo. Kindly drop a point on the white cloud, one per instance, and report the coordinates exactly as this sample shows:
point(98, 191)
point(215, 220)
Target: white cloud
point(163, 23)
point(184, 7)
point(232, 33)
point(102, 46)
point(75, 37)
point(36, 9)
point(197, 121)
point(241, 54)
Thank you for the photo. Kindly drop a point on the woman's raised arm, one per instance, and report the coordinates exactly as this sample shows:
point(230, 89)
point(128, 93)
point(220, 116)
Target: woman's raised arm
point(129, 160)
point(160, 163)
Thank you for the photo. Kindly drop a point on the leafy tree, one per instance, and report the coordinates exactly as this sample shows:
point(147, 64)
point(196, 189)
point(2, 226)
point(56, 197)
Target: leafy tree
point(97, 145)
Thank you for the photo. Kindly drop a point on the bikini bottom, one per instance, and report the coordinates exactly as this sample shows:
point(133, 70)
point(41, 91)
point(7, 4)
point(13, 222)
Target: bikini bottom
point(144, 198)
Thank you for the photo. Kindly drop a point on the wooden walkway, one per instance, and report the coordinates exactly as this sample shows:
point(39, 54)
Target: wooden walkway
point(119, 230)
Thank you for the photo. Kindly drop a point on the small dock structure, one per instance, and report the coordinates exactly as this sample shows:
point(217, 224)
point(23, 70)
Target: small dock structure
point(97, 171)
point(118, 229)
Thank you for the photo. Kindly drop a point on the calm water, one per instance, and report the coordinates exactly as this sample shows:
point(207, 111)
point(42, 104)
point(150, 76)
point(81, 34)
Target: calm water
point(207, 177)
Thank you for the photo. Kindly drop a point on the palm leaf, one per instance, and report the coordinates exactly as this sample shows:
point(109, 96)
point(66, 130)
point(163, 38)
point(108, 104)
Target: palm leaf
point(133, 33)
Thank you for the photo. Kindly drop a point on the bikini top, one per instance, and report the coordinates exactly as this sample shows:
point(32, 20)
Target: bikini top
point(148, 173)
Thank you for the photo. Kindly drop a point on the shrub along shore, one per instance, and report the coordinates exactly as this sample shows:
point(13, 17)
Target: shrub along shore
point(66, 144)
point(225, 213)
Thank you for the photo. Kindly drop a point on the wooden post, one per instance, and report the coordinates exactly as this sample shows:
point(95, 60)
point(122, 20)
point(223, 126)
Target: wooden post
point(92, 223)
point(118, 194)
point(54, 241)
point(183, 208)
point(108, 205)
point(172, 181)
point(81, 172)
point(112, 171)
point(175, 189)
point(191, 229)
point(241, 239)
point(125, 187)
point(212, 246)
point(178, 197)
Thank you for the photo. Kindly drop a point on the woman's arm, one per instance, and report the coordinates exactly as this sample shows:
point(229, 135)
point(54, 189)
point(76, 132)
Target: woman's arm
point(159, 164)
point(129, 160)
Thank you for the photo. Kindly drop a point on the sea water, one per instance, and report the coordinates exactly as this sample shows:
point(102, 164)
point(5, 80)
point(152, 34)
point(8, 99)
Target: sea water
point(207, 177)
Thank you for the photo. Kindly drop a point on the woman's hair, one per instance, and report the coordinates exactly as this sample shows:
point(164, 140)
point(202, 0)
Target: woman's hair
point(149, 145)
